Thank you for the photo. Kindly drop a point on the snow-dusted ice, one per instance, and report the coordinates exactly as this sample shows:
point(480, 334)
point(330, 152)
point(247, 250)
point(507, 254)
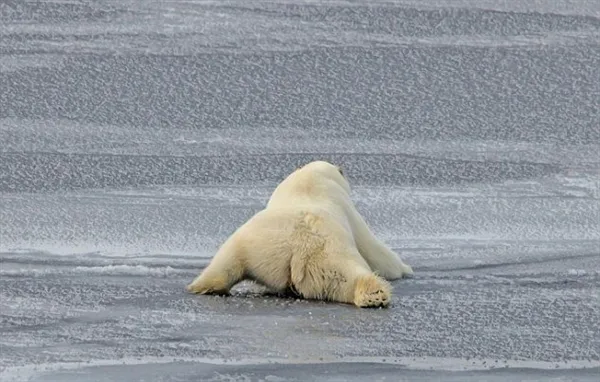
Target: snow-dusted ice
point(136, 136)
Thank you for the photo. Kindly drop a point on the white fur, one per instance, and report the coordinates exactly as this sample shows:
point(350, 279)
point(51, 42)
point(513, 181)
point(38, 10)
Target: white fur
point(311, 240)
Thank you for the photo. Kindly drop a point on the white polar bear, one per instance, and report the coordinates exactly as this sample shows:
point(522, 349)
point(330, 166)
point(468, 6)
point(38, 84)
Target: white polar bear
point(309, 240)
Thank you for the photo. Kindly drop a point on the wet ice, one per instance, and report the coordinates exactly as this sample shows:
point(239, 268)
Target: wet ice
point(135, 137)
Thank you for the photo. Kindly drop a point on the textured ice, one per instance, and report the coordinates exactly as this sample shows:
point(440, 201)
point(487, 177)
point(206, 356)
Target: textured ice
point(136, 136)
point(108, 270)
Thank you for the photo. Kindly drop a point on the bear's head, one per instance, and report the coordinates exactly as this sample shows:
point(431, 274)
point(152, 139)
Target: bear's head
point(329, 171)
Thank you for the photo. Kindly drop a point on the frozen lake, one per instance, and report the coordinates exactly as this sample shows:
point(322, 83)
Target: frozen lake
point(135, 137)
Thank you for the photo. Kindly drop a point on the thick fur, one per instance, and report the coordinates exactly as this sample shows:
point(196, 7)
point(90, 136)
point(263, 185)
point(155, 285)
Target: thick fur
point(311, 240)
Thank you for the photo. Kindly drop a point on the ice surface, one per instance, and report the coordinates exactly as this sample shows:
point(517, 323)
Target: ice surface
point(136, 136)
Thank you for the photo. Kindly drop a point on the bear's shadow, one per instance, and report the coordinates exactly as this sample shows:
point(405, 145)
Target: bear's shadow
point(248, 290)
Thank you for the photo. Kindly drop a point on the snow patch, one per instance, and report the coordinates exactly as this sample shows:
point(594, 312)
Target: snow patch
point(107, 270)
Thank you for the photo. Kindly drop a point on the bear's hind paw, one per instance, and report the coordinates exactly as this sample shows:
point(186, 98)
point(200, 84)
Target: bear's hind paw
point(192, 290)
point(372, 292)
point(205, 288)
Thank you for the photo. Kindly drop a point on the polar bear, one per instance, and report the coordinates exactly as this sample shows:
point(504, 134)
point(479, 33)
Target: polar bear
point(309, 240)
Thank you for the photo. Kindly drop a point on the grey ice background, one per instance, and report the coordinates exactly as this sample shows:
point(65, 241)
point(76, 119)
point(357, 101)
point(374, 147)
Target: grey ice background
point(136, 135)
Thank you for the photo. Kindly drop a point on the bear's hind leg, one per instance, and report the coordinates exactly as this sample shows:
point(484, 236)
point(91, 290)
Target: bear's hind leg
point(211, 283)
point(344, 282)
point(219, 277)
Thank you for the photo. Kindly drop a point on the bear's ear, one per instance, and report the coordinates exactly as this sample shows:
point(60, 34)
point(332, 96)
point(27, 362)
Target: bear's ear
point(340, 170)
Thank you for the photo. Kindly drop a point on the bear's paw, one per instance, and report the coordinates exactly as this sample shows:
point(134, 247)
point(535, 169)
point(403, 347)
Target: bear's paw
point(372, 292)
